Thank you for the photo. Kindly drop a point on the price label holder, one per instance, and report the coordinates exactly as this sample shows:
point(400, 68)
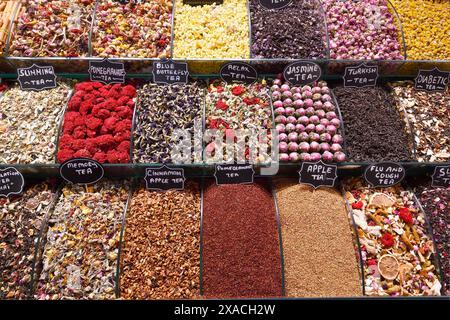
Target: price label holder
point(36, 78)
point(301, 73)
point(318, 174)
point(164, 178)
point(234, 174)
point(433, 80)
point(361, 76)
point(170, 72)
point(201, 2)
point(81, 171)
point(106, 71)
point(238, 72)
point(441, 177)
point(275, 4)
point(384, 174)
point(11, 182)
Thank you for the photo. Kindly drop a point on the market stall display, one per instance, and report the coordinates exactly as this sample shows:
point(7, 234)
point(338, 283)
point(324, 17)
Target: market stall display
point(7, 10)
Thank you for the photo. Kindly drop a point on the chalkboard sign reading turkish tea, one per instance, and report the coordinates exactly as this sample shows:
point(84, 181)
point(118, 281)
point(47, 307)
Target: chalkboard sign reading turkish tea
point(164, 178)
point(275, 4)
point(234, 173)
point(361, 76)
point(384, 174)
point(201, 2)
point(432, 80)
point(170, 72)
point(11, 182)
point(106, 71)
point(318, 174)
point(36, 78)
point(238, 72)
point(302, 73)
point(441, 177)
point(81, 171)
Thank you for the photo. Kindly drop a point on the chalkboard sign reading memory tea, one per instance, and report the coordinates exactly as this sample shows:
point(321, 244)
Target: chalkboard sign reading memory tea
point(234, 173)
point(384, 174)
point(36, 78)
point(301, 73)
point(441, 177)
point(361, 76)
point(106, 71)
point(170, 72)
point(432, 80)
point(164, 178)
point(11, 182)
point(238, 72)
point(81, 171)
point(318, 174)
point(275, 4)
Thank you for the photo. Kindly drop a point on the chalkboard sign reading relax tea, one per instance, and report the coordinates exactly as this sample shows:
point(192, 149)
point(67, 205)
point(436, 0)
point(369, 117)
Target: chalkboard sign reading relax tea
point(441, 177)
point(302, 73)
point(275, 4)
point(36, 78)
point(106, 71)
point(318, 174)
point(164, 178)
point(234, 174)
point(238, 72)
point(11, 182)
point(81, 171)
point(361, 76)
point(384, 174)
point(170, 72)
point(432, 80)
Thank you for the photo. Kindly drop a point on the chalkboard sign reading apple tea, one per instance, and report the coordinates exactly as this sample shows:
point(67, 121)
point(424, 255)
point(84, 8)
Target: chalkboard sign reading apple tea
point(318, 174)
point(164, 178)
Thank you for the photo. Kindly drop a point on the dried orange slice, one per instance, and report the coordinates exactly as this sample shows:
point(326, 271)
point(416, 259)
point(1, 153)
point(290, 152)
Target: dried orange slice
point(381, 200)
point(388, 266)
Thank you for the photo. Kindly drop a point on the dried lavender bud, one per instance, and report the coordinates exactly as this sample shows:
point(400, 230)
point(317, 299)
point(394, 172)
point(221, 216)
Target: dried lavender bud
point(160, 111)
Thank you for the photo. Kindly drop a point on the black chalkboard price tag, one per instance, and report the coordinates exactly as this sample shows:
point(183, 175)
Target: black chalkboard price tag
point(234, 174)
point(170, 72)
point(361, 76)
point(11, 182)
point(36, 78)
point(164, 178)
point(301, 73)
point(275, 4)
point(384, 174)
point(238, 72)
point(201, 2)
point(432, 80)
point(318, 174)
point(81, 171)
point(106, 71)
point(441, 177)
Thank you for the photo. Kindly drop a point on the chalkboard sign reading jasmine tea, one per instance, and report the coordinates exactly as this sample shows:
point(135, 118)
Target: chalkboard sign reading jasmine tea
point(301, 73)
point(238, 72)
point(36, 78)
point(106, 71)
point(164, 178)
point(384, 174)
point(361, 76)
point(81, 171)
point(11, 182)
point(441, 177)
point(170, 72)
point(432, 80)
point(318, 174)
point(234, 173)
point(275, 4)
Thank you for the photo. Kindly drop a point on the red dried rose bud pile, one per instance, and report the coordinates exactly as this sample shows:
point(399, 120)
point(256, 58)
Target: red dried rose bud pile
point(97, 123)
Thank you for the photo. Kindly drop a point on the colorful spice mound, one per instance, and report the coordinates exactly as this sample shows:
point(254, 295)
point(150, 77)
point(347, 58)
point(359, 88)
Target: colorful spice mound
point(212, 31)
point(231, 109)
point(20, 224)
point(436, 204)
point(133, 29)
point(81, 249)
point(29, 124)
point(162, 112)
point(307, 123)
point(319, 254)
point(98, 122)
point(241, 253)
point(429, 114)
point(426, 27)
point(364, 29)
point(161, 245)
point(53, 28)
point(275, 33)
point(374, 130)
point(397, 253)
point(7, 8)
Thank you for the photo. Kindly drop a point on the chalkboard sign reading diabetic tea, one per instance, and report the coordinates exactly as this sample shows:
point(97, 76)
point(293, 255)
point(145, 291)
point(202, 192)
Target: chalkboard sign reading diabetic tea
point(441, 177)
point(384, 174)
point(81, 171)
point(106, 71)
point(164, 178)
point(238, 72)
point(36, 78)
point(318, 174)
point(275, 4)
point(360, 76)
point(11, 182)
point(301, 73)
point(170, 72)
point(234, 174)
point(432, 80)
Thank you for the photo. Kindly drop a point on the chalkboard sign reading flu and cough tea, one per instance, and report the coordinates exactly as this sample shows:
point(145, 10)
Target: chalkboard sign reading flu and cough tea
point(238, 72)
point(36, 78)
point(170, 72)
point(384, 174)
point(81, 171)
point(106, 71)
point(318, 174)
point(302, 73)
point(164, 178)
